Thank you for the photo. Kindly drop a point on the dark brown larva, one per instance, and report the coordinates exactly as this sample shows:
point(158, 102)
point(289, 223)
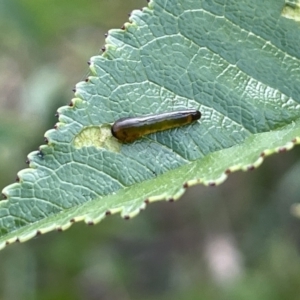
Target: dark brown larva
point(130, 129)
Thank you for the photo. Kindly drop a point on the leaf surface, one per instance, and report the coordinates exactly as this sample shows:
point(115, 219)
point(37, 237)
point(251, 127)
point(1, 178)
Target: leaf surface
point(235, 61)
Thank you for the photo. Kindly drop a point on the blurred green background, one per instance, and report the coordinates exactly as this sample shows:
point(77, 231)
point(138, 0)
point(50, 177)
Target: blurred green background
point(235, 241)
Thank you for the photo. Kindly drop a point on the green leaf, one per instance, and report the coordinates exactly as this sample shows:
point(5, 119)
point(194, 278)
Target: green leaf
point(235, 61)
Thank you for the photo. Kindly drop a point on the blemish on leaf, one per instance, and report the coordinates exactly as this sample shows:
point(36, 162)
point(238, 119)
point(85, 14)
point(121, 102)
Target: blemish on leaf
point(97, 136)
point(292, 11)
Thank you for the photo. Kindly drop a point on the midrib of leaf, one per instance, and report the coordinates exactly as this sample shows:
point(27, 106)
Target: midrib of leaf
point(175, 54)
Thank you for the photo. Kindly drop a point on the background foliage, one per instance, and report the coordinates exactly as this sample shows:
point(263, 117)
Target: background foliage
point(235, 241)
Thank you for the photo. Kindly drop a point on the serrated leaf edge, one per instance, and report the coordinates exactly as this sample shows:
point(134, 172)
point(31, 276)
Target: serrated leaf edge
point(92, 221)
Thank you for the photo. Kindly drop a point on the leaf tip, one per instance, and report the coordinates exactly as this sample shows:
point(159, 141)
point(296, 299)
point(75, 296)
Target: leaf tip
point(250, 168)
point(185, 185)
point(227, 171)
point(263, 154)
